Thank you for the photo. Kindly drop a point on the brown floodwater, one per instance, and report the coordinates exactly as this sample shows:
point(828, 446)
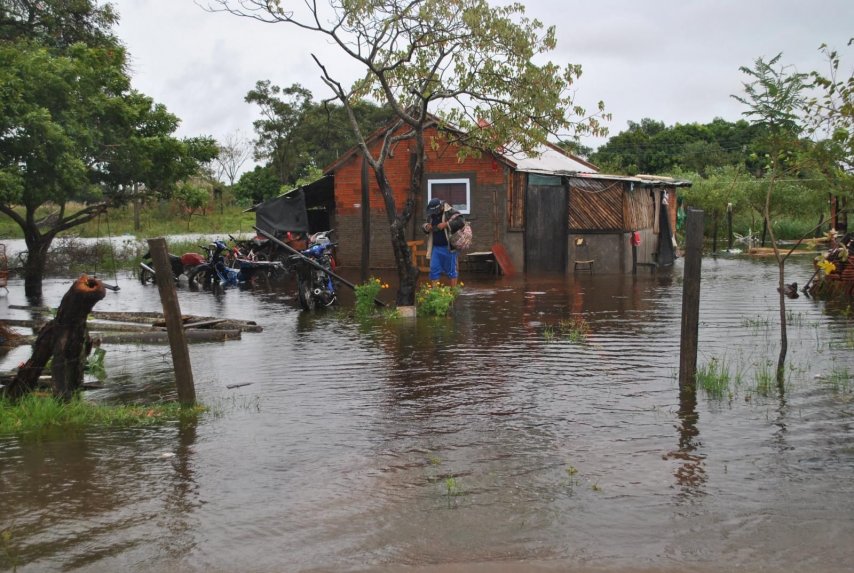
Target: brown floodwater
point(487, 441)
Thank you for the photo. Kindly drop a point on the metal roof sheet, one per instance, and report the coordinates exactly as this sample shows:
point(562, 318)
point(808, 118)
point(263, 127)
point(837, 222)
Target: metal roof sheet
point(547, 160)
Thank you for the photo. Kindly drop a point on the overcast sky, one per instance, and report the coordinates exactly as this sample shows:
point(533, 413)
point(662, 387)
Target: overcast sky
point(671, 60)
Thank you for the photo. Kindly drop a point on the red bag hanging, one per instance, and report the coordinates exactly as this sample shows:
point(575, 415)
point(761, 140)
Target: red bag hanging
point(635, 239)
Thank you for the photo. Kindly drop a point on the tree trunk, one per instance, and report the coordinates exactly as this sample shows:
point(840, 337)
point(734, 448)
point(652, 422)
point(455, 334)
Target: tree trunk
point(407, 274)
point(137, 209)
point(66, 340)
point(37, 248)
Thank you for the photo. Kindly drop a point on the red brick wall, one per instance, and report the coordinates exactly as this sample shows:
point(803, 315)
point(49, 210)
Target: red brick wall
point(488, 197)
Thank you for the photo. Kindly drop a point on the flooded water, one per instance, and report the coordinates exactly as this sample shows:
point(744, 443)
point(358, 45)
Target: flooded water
point(490, 440)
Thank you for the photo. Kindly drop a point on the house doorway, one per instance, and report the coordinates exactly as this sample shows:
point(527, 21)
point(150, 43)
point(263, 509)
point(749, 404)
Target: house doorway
point(545, 225)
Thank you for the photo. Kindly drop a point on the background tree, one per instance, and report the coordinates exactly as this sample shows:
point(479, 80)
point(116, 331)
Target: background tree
point(651, 147)
point(774, 96)
point(234, 151)
point(282, 111)
point(297, 135)
point(468, 62)
point(71, 127)
point(192, 197)
point(257, 185)
point(830, 123)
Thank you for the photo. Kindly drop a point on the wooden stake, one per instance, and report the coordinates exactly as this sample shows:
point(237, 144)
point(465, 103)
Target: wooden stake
point(691, 298)
point(174, 323)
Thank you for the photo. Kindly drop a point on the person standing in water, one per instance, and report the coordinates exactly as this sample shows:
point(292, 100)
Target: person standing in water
point(442, 221)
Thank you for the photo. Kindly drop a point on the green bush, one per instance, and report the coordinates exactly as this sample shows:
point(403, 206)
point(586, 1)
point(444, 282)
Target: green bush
point(365, 295)
point(435, 299)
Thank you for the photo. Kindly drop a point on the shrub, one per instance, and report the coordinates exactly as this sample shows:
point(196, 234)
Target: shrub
point(435, 299)
point(365, 295)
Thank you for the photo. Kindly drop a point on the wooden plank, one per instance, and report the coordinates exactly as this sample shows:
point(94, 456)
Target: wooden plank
point(203, 323)
point(505, 263)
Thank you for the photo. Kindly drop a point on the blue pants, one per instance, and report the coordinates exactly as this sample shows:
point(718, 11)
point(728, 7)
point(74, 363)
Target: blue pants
point(443, 260)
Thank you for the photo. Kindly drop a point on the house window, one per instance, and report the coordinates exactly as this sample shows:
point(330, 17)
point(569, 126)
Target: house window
point(455, 192)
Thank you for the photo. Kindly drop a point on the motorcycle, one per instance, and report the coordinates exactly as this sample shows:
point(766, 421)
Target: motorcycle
point(223, 270)
point(315, 288)
point(180, 265)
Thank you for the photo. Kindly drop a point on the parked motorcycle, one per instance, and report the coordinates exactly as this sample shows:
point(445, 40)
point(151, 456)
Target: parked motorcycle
point(223, 270)
point(180, 265)
point(315, 288)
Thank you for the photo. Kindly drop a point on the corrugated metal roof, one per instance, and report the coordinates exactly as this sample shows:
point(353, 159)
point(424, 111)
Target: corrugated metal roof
point(548, 160)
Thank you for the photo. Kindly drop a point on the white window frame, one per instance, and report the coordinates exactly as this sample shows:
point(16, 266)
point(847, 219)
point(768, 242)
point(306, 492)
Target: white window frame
point(467, 182)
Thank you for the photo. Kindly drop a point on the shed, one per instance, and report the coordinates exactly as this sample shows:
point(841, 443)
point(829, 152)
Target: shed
point(535, 205)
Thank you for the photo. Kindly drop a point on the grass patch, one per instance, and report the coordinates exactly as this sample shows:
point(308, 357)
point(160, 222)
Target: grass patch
point(756, 323)
point(715, 380)
point(840, 381)
point(42, 414)
point(157, 218)
point(574, 329)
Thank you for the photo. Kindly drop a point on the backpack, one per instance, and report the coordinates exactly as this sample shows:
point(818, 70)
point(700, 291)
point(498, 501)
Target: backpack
point(462, 238)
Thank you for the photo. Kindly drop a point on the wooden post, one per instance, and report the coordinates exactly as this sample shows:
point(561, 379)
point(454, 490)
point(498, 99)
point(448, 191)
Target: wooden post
point(715, 233)
point(691, 298)
point(729, 226)
point(174, 324)
point(366, 222)
point(634, 259)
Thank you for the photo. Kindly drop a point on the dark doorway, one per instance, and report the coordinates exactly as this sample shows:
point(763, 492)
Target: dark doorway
point(545, 225)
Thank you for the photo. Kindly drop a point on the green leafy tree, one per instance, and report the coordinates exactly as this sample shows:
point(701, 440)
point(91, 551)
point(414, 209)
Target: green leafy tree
point(192, 198)
point(296, 134)
point(774, 97)
point(479, 67)
point(71, 127)
point(651, 147)
point(282, 111)
point(257, 185)
point(830, 122)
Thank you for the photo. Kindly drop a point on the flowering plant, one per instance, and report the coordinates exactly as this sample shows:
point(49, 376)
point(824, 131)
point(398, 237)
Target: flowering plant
point(365, 295)
point(826, 266)
point(435, 299)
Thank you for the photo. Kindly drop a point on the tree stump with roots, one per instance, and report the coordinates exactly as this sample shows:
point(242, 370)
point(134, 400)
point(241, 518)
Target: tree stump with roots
point(65, 339)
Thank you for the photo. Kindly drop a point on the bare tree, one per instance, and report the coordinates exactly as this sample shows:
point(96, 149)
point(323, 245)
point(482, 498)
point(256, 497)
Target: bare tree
point(234, 151)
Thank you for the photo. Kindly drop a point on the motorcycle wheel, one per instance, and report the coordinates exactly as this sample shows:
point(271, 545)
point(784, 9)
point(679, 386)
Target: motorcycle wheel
point(306, 298)
point(146, 276)
point(199, 277)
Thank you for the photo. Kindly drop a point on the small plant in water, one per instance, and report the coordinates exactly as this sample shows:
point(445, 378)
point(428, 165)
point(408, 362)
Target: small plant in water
point(714, 378)
point(365, 295)
point(549, 333)
point(452, 489)
point(764, 378)
point(8, 548)
point(840, 381)
point(435, 299)
point(574, 328)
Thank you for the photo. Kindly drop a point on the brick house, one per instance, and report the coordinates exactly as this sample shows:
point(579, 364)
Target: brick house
point(536, 207)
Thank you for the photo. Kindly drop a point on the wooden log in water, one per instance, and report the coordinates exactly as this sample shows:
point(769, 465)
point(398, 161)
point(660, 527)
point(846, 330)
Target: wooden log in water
point(154, 319)
point(162, 337)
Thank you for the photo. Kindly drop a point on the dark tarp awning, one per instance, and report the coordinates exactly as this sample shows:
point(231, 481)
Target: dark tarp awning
point(284, 213)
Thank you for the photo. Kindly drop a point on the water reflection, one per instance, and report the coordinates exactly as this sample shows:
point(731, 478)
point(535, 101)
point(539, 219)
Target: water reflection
point(363, 445)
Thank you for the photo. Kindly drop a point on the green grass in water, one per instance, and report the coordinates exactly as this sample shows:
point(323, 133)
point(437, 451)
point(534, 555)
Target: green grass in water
point(35, 413)
point(714, 378)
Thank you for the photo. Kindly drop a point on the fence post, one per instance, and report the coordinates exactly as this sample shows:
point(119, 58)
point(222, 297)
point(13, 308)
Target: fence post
point(691, 298)
point(174, 323)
